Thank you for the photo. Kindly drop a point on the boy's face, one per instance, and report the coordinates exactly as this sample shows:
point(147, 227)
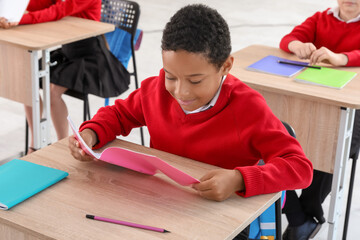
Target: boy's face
point(191, 79)
point(349, 6)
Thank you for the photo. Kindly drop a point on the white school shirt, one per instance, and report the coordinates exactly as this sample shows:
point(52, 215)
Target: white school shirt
point(336, 12)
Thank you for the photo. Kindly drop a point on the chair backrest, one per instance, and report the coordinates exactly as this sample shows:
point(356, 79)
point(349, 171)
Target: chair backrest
point(122, 13)
point(289, 129)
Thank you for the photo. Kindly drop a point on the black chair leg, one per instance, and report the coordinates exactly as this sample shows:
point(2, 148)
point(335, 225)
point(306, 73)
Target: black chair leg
point(142, 136)
point(26, 137)
point(86, 108)
point(278, 219)
point(348, 205)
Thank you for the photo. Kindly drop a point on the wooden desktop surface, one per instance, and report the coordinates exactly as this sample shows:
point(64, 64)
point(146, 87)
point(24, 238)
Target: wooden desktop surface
point(45, 35)
point(313, 111)
point(111, 191)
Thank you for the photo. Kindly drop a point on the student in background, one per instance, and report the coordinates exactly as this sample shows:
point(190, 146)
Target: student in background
point(333, 37)
point(85, 66)
point(196, 109)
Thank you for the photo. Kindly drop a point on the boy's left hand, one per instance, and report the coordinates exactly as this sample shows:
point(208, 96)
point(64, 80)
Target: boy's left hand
point(325, 55)
point(220, 184)
point(5, 24)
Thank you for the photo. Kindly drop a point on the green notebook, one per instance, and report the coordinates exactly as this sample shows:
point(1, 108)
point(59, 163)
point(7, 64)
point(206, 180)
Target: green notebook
point(328, 77)
point(20, 180)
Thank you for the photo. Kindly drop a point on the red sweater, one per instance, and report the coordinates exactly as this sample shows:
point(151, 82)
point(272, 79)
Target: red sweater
point(234, 134)
point(323, 29)
point(45, 10)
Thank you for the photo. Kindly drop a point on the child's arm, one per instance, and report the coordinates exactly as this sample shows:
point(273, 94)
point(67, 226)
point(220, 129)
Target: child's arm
point(303, 33)
point(220, 184)
point(90, 138)
point(59, 10)
point(119, 119)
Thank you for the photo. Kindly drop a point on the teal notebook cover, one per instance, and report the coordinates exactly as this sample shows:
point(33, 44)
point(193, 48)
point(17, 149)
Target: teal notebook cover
point(20, 180)
point(327, 77)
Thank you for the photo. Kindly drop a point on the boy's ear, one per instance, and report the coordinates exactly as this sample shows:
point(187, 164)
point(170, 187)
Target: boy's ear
point(226, 67)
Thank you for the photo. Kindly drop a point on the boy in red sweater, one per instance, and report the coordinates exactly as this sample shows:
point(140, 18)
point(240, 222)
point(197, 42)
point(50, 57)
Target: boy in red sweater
point(315, 40)
point(196, 109)
point(85, 66)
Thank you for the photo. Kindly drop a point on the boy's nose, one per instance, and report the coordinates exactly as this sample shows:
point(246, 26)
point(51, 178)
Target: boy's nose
point(182, 90)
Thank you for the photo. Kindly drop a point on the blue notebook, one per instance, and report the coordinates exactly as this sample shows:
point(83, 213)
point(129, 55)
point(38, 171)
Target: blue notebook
point(20, 180)
point(270, 64)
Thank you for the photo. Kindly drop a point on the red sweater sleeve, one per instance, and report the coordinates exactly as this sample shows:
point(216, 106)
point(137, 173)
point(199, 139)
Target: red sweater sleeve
point(119, 119)
point(304, 32)
point(286, 166)
point(41, 11)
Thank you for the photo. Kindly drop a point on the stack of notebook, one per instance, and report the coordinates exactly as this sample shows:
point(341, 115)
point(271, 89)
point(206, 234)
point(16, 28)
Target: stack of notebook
point(322, 76)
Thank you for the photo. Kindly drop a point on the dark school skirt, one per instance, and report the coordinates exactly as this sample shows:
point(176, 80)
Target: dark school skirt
point(88, 66)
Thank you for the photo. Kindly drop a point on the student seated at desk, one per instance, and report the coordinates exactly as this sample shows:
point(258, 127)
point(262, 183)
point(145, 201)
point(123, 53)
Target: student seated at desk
point(85, 66)
point(194, 108)
point(333, 37)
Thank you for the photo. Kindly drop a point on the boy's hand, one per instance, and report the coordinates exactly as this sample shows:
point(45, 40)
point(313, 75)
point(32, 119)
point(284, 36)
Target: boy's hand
point(5, 24)
point(90, 138)
point(325, 55)
point(302, 50)
point(220, 184)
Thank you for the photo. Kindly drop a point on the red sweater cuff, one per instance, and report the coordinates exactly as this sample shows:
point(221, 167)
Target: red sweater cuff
point(284, 43)
point(102, 137)
point(253, 181)
point(353, 59)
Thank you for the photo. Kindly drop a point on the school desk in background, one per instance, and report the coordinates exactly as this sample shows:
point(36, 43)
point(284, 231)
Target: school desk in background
point(321, 116)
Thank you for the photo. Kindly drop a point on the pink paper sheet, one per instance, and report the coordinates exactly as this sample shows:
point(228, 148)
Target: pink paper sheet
point(136, 161)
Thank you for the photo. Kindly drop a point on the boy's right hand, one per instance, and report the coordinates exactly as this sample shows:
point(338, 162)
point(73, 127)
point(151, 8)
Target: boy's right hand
point(302, 50)
point(90, 138)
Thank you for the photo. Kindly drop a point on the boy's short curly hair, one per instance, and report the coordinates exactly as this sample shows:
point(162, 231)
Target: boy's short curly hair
point(198, 29)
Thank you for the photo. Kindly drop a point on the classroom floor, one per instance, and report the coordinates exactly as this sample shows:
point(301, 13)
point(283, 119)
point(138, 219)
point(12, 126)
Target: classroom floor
point(250, 22)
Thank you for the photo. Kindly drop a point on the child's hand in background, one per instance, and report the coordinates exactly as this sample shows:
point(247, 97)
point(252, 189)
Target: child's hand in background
point(5, 24)
point(302, 50)
point(220, 184)
point(90, 138)
point(323, 54)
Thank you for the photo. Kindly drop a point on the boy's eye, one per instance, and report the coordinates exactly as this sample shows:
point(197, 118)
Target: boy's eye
point(170, 78)
point(195, 82)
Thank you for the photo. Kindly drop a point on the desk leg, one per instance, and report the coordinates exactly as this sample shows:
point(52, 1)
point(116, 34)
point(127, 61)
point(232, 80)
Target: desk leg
point(341, 158)
point(41, 125)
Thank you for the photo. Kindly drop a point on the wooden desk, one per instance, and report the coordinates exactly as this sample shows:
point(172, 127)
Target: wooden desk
point(322, 117)
point(107, 190)
point(19, 68)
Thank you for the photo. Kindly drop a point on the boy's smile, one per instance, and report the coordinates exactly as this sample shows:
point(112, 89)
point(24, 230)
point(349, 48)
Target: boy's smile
point(191, 79)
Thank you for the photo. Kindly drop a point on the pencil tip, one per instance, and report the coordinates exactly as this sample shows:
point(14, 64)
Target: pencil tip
point(166, 231)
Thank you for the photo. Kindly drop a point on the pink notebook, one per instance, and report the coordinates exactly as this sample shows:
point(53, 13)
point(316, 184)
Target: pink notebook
point(136, 161)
